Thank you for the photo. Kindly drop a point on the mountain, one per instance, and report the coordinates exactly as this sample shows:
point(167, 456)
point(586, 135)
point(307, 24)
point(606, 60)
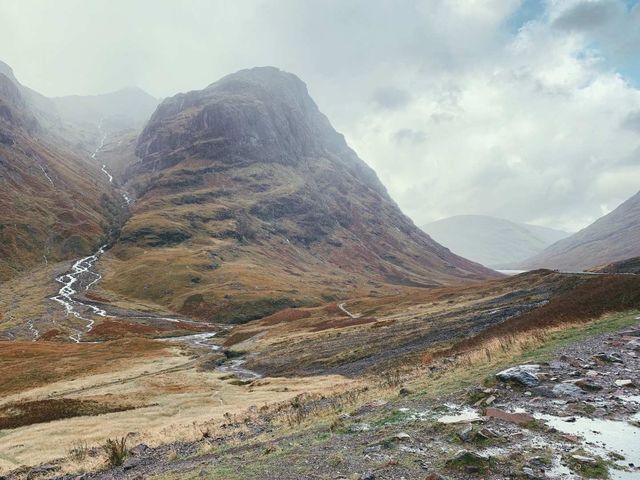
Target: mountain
point(54, 204)
point(249, 201)
point(611, 238)
point(629, 265)
point(495, 242)
point(125, 108)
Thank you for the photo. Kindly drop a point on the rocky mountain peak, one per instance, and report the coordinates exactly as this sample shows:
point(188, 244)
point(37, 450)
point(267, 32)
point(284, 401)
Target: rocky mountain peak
point(259, 114)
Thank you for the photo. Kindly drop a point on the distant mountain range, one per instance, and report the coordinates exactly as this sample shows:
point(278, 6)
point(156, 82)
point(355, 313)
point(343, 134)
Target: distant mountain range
point(491, 241)
point(125, 108)
point(611, 238)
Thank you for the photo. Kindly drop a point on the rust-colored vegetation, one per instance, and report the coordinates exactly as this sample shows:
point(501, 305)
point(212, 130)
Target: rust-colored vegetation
point(14, 415)
point(25, 365)
point(582, 299)
point(286, 315)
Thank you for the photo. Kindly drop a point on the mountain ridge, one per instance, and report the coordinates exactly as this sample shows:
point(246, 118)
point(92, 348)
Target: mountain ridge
point(492, 241)
point(612, 238)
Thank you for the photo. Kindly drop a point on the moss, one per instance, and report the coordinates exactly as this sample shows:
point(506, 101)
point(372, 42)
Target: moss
point(396, 416)
point(599, 469)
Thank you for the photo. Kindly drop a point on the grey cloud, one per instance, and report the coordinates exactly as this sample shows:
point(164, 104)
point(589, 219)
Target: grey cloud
point(409, 136)
point(588, 14)
point(391, 98)
point(632, 121)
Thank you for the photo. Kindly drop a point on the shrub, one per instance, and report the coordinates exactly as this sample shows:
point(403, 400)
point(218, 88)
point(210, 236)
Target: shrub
point(116, 451)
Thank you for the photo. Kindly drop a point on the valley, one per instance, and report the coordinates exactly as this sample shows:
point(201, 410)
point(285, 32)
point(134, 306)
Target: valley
point(244, 299)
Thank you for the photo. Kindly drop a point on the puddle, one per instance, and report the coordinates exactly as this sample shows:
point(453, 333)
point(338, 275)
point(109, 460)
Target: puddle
point(604, 436)
point(465, 414)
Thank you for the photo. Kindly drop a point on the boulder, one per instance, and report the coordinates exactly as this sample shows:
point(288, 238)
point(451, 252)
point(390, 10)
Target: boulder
point(523, 374)
point(586, 385)
point(567, 390)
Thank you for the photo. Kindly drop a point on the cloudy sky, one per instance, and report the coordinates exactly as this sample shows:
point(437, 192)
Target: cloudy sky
point(527, 110)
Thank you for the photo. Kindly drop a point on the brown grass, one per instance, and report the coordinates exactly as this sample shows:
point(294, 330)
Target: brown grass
point(120, 328)
point(14, 415)
point(338, 323)
point(286, 315)
point(26, 365)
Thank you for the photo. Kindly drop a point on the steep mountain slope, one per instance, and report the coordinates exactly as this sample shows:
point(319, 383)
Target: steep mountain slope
point(611, 238)
point(53, 204)
point(492, 241)
point(247, 197)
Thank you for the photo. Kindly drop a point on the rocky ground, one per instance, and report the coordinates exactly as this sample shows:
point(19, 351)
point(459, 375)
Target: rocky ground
point(573, 416)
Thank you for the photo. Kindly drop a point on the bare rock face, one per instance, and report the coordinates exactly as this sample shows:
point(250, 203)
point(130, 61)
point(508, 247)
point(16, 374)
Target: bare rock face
point(14, 113)
point(257, 115)
point(251, 165)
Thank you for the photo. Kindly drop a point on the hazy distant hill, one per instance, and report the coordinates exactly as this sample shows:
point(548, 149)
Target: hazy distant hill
point(491, 241)
point(611, 238)
point(126, 108)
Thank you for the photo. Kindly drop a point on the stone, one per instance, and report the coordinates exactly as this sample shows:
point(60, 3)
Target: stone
point(404, 392)
point(567, 390)
point(41, 470)
point(608, 357)
point(523, 374)
point(140, 449)
point(466, 434)
point(489, 400)
point(131, 463)
point(434, 476)
point(588, 386)
point(402, 436)
point(518, 418)
point(584, 460)
point(368, 476)
point(543, 392)
point(570, 438)
point(624, 383)
point(634, 345)
point(591, 373)
point(528, 472)
point(486, 433)
point(466, 458)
